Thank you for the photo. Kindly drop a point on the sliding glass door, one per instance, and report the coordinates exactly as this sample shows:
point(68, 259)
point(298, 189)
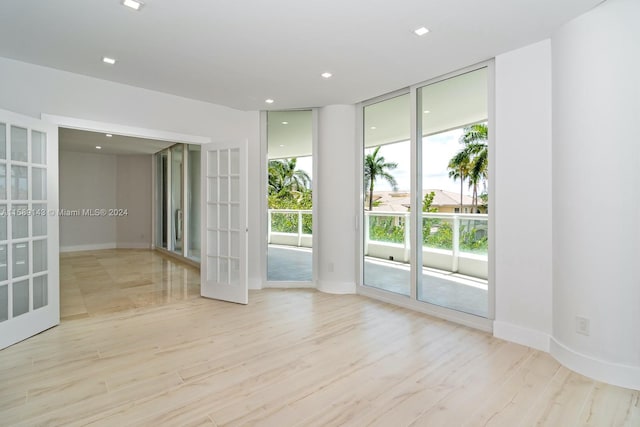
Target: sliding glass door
point(177, 206)
point(425, 192)
point(387, 185)
point(290, 196)
point(453, 124)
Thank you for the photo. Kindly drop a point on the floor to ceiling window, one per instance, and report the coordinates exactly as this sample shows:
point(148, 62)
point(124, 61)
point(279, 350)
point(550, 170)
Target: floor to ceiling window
point(387, 184)
point(426, 225)
point(455, 170)
point(177, 206)
point(290, 200)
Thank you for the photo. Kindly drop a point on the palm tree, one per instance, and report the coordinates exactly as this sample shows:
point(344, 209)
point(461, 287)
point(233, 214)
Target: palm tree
point(475, 138)
point(375, 167)
point(285, 178)
point(459, 169)
point(472, 161)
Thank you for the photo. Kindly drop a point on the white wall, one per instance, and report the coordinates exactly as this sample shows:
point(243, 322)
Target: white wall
point(32, 90)
point(87, 181)
point(257, 202)
point(596, 192)
point(522, 195)
point(336, 187)
point(133, 194)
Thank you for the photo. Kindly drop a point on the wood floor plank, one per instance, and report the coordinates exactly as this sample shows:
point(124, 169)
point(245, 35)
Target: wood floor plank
point(140, 347)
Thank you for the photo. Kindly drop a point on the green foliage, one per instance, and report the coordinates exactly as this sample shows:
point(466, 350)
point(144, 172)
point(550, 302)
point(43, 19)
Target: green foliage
point(289, 189)
point(427, 201)
point(386, 229)
point(436, 233)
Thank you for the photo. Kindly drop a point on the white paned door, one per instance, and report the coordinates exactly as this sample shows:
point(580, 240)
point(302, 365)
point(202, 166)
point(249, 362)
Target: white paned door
point(223, 266)
point(29, 246)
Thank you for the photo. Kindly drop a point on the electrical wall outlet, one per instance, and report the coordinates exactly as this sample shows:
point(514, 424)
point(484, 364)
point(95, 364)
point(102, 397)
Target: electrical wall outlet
point(582, 325)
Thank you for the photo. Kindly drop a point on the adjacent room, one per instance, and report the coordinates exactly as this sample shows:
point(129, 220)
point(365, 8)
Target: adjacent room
point(107, 220)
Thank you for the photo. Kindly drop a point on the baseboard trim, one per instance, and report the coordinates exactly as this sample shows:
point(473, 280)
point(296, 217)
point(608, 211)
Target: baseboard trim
point(520, 335)
point(133, 245)
point(288, 285)
point(92, 247)
point(612, 373)
point(255, 284)
point(340, 288)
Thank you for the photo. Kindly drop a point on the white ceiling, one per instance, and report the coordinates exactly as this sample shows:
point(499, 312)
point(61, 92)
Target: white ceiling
point(239, 52)
point(86, 142)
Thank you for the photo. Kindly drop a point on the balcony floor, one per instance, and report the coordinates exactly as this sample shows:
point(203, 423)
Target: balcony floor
point(467, 294)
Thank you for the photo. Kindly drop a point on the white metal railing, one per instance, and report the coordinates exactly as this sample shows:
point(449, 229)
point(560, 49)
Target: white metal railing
point(299, 235)
point(454, 259)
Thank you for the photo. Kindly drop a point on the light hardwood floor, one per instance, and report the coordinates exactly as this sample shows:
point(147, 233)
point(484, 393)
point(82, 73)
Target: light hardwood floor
point(289, 358)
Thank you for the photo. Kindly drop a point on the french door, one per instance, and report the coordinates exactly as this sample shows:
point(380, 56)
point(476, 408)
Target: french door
point(29, 240)
point(223, 266)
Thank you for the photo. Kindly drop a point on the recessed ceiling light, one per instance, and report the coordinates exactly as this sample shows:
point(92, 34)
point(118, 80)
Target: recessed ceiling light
point(108, 60)
point(269, 101)
point(108, 135)
point(373, 128)
point(98, 147)
point(285, 123)
point(421, 31)
point(326, 75)
point(133, 4)
point(281, 145)
point(427, 111)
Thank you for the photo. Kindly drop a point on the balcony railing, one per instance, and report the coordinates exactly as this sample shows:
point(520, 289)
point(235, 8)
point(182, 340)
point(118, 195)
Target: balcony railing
point(456, 243)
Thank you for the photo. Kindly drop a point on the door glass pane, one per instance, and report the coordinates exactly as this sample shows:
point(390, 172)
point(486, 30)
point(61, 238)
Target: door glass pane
point(212, 210)
point(234, 274)
point(3, 263)
point(39, 255)
point(290, 195)
point(224, 162)
point(212, 244)
point(3, 181)
point(40, 292)
point(213, 163)
point(38, 220)
point(162, 197)
point(235, 217)
point(224, 189)
point(454, 191)
point(4, 303)
point(3, 141)
point(235, 161)
point(19, 222)
point(212, 269)
point(193, 187)
point(38, 147)
point(177, 213)
point(234, 191)
point(20, 259)
point(224, 216)
point(19, 182)
point(234, 242)
point(3, 222)
point(20, 297)
point(39, 182)
point(18, 144)
point(224, 243)
point(387, 184)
